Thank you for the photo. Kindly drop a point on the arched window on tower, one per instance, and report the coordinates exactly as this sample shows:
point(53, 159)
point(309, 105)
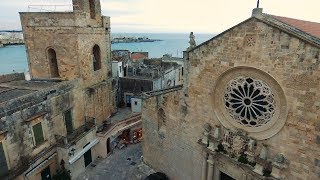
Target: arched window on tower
point(92, 9)
point(96, 57)
point(52, 57)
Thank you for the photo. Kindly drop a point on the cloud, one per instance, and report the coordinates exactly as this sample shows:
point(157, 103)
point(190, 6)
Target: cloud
point(174, 15)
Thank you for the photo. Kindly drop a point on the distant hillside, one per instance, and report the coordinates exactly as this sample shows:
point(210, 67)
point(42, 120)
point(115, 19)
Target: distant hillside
point(11, 31)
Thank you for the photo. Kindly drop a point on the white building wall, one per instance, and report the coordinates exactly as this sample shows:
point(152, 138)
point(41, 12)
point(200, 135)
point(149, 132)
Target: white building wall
point(157, 84)
point(171, 78)
point(117, 69)
point(136, 104)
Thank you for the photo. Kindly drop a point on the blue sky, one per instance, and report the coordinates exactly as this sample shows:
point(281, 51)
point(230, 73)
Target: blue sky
point(201, 16)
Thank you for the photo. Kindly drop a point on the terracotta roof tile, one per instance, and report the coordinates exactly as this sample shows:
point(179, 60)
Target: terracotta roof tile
point(311, 28)
point(138, 56)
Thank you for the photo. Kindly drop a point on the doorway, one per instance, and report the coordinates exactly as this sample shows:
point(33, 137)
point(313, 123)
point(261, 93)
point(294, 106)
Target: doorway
point(87, 158)
point(45, 174)
point(224, 176)
point(128, 100)
point(108, 146)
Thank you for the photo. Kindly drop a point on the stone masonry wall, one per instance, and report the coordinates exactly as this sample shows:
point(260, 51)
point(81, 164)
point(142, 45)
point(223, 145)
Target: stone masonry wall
point(292, 62)
point(17, 117)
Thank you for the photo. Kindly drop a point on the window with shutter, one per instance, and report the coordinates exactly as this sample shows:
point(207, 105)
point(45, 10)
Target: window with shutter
point(3, 163)
point(38, 134)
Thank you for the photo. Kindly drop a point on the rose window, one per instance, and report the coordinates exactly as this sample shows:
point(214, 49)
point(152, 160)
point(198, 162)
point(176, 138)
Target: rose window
point(249, 101)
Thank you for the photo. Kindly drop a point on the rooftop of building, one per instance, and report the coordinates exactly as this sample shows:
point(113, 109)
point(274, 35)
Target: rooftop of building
point(312, 28)
point(302, 29)
point(120, 55)
point(170, 57)
point(139, 55)
point(13, 86)
point(150, 69)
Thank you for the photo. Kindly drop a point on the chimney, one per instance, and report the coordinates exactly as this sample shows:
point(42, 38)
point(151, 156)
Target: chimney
point(256, 11)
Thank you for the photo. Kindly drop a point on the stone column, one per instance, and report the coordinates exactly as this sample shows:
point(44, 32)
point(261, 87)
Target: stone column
point(204, 166)
point(210, 167)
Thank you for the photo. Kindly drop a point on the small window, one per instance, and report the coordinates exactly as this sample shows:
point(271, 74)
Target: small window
point(135, 103)
point(120, 69)
point(38, 134)
point(96, 58)
point(92, 9)
point(182, 71)
point(68, 121)
point(53, 63)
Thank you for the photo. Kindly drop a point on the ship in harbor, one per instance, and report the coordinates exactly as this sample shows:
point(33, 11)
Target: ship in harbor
point(132, 40)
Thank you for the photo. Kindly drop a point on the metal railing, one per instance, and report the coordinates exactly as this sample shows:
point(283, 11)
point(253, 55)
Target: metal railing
point(53, 8)
point(65, 141)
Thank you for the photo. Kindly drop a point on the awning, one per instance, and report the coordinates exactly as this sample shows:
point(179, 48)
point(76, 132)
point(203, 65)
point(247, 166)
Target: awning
point(40, 165)
point(84, 150)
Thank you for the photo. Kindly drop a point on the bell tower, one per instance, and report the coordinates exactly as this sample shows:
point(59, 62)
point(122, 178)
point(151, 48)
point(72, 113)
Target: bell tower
point(92, 7)
point(68, 45)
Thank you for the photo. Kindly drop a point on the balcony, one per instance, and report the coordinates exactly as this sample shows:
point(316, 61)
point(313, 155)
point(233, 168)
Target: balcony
point(77, 134)
point(26, 162)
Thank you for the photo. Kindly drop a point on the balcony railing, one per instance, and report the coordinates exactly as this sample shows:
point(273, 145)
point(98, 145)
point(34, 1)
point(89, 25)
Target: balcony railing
point(25, 162)
point(52, 8)
point(77, 134)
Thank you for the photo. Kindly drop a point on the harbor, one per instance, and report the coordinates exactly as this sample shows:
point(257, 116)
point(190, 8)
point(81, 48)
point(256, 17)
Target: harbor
point(11, 38)
point(132, 40)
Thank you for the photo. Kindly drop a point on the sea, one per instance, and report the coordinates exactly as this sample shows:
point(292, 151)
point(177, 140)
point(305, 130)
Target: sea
point(14, 58)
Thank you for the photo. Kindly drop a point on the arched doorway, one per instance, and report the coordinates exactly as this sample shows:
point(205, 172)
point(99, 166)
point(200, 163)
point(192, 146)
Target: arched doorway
point(96, 57)
point(53, 63)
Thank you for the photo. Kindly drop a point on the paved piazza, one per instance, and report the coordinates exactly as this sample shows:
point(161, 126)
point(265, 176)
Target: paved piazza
point(123, 164)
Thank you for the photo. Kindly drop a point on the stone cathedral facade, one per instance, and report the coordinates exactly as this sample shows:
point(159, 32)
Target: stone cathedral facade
point(249, 107)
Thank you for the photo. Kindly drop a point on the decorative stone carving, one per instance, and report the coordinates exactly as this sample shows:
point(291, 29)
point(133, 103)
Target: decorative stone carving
point(217, 133)
point(239, 144)
point(278, 165)
point(205, 136)
point(251, 145)
point(261, 160)
point(264, 152)
point(215, 140)
point(258, 168)
point(227, 138)
point(241, 148)
point(251, 149)
point(192, 41)
point(279, 159)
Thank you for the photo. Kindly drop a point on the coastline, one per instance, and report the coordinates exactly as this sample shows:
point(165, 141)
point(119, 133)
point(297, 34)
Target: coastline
point(10, 42)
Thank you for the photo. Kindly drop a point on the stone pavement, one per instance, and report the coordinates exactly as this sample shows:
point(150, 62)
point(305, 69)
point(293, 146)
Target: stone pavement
point(123, 164)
